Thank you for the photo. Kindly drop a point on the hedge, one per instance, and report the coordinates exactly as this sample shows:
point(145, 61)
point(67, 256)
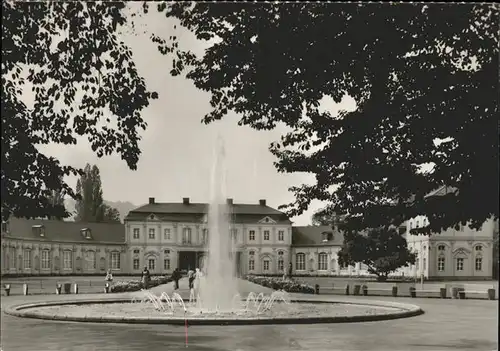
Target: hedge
point(136, 285)
point(280, 284)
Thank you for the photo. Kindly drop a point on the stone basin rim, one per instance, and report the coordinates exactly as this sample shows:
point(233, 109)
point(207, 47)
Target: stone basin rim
point(405, 311)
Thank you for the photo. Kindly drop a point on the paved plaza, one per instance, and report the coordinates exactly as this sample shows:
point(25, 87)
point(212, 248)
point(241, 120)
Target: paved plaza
point(446, 325)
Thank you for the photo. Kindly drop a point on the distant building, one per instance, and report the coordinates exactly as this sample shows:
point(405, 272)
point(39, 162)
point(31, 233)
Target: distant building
point(165, 236)
point(44, 247)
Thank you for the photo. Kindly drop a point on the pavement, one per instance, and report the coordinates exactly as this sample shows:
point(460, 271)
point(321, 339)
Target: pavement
point(446, 325)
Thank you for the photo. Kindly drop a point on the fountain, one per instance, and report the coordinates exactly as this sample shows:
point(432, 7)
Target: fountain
point(219, 285)
point(215, 299)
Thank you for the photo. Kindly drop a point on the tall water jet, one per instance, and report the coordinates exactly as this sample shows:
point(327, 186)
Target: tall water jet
point(219, 286)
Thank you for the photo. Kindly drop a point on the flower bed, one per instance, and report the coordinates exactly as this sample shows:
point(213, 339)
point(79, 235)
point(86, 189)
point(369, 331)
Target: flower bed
point(136, 285)
point(280, 284)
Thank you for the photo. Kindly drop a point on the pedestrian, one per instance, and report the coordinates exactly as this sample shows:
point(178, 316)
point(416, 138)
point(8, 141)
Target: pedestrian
point(176, 275)
point(145, 278)
point(109, 276)
point(290, 270)
point(191, 277)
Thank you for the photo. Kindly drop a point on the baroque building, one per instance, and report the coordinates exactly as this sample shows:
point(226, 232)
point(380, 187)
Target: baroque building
point(51, 247)
point(165, 236)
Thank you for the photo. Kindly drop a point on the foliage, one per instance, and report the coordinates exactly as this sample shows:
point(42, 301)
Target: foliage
point(56, 199)
point(280, 284)
point(325, 218)
point(136, 285)
point(424, 78)
point(90, 206)
point(84, 83)
point(382, 250)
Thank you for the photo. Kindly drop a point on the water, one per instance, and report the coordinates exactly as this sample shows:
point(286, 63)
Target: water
point(219, 284)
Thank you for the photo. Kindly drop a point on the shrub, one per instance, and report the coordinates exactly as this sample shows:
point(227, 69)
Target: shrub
point(280, 284)
point(136, 285)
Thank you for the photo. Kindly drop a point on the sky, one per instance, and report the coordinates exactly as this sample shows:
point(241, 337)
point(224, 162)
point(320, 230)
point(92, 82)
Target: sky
point(177, 149)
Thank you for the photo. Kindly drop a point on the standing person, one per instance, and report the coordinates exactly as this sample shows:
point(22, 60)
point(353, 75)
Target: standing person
point(290, 270)
point(191, 277)
point(176, 275)
point(109, 276)
point(145, 278)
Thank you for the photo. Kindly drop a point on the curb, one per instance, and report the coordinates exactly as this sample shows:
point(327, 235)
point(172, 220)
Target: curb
point(22, 310)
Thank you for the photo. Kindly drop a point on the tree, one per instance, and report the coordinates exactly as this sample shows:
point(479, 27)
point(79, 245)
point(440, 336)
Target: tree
point(322, 218)
point(56, 199)
point(424, 78)
point(90, 206)
point(85, 83)
point(383, 250)
point(111, 215)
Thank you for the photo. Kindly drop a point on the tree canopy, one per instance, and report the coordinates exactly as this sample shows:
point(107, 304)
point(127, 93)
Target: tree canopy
point(90, 206)
point(85, 83)
point(424, 78)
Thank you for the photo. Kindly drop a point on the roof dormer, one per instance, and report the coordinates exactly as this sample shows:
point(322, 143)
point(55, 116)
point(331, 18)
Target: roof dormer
point(326, 236)
point(267, 220)
point(86, 233)
point(38, 230)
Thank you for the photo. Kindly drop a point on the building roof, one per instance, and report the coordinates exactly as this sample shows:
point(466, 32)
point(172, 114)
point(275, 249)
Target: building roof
point(20, 228)
point(314, 235)
point(195, 212)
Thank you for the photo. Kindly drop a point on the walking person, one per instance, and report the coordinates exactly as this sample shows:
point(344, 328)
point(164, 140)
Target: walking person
point(290, 271)
point(109, 276)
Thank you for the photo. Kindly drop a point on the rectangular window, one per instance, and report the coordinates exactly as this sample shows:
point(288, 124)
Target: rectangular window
point(479, 264)
point(204, 236)
point(45, 259)
point(166, 234)
point(166, 264)
point(300, 263)
point(115, 260)
point(251, 265)
point(460, 264)
point(441, 264)
point(91, 260)
point(266, 234)
point(186, 236)
point(417, 264)
point(281, 235)
point(136, 232)
point(266, 265)
point(12, 257)
point(67, 260)
point(136, 263)
point(151, 233)
point(251, 235)
point(27, 259)
point(425, 263)
point(151, 264)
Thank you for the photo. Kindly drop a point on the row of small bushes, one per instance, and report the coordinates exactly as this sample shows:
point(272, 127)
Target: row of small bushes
point(345, 276)
point(281, 284)
point(136, 285)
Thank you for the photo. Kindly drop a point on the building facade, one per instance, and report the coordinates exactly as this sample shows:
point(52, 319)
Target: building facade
point(43, 247)
point(165, 236)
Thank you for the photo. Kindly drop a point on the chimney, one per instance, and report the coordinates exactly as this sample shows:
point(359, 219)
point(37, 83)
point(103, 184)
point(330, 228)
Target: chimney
point(230, 202)
point(262, 202)
point(185, 200)
point(151, 200)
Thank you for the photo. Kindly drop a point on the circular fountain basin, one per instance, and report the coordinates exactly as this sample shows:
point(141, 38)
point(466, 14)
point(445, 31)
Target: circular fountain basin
point(303, 311)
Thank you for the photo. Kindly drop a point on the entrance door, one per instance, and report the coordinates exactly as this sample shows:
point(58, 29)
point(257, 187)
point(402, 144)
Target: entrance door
point(187, 260)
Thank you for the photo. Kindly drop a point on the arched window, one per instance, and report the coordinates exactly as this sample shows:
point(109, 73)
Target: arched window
point(322, 261)
point(441, 248)
point(479, 248)
point(90, 260)
point(300, 262)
